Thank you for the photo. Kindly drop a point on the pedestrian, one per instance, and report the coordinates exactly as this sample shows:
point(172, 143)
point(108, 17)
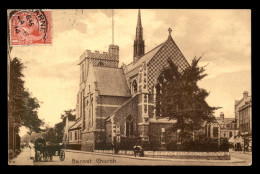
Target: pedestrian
point(32, 150)
point(138, 150)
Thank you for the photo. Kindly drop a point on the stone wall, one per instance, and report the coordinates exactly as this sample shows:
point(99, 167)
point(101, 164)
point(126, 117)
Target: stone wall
point(175, 155)
point(87, 143)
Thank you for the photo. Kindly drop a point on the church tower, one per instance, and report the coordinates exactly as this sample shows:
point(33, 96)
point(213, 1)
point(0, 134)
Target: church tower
point(139, 42)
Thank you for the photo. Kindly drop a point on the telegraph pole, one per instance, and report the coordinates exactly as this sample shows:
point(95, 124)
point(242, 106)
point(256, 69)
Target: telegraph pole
point(112, 27)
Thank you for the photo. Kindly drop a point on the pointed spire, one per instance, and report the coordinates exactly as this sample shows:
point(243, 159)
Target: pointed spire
point(139, 28)
point(139, 42)
point(139, 22)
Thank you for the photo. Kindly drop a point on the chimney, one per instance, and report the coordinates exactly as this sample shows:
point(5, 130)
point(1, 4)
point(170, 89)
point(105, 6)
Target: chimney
point(245, 94)
point(222, 116)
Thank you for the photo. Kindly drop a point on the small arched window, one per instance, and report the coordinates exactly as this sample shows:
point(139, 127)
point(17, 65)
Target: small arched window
point(100, 63)
point(87, 105)
point(76, 135)
point(92, 116)
point(134, 86)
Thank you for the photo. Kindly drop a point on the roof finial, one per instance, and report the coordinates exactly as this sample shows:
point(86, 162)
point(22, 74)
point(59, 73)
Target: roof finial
point(170, 30)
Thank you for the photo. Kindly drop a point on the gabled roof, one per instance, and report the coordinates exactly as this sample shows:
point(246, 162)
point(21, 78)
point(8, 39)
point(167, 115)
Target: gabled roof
point(120, 107)
point(237, 102)
point(169, 47)
point(147, 57)
point(76, 125)
point(111, 81)
point(226, 120)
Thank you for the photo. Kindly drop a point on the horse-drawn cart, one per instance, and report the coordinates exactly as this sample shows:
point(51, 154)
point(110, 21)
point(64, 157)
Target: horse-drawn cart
point(46, 150)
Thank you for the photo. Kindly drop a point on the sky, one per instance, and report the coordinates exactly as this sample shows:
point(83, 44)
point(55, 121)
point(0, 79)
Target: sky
point(221, 37)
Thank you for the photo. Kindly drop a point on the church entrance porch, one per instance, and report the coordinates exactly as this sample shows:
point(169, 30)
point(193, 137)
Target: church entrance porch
point(157, 132)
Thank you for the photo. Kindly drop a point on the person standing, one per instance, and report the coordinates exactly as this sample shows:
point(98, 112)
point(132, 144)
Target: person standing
point(31, 145)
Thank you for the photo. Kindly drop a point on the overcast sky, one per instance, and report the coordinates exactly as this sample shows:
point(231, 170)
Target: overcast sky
point(223, 37)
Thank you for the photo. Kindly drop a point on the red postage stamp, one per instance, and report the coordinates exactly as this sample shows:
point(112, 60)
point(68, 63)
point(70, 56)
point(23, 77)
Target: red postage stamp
point(30, 27)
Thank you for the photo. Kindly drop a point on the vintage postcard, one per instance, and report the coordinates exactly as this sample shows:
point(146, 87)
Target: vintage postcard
point(149, 87)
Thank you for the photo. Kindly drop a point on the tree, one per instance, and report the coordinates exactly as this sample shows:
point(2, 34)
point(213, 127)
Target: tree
point(49, 135)
point(16, 89)
point(30, 115)
point(22, 108)
point(59, 130)
point(68, 113)
point(183, 100)
point(59, 127)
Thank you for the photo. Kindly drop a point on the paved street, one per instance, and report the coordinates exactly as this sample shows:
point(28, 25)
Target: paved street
point(88, 158)
point(247, 156)
point(23, 158)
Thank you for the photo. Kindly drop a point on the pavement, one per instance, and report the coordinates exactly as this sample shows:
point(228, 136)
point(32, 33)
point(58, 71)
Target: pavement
point(23, 158)
point(247, 156)
point(73, 157)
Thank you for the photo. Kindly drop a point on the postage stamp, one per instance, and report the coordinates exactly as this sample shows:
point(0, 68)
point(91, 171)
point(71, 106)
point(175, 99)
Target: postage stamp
point(30, 27)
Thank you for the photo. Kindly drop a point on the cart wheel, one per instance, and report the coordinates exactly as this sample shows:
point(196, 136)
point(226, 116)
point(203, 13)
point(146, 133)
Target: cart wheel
point(62, 155)
point(40, 157)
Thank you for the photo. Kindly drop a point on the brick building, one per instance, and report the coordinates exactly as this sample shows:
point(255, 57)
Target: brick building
point(243, 113)
point(120, 105)
point(228, 127)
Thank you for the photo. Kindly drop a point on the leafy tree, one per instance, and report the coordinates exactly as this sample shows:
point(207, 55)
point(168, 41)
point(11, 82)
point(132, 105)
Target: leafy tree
point(16, 89)
point(22, 108)
point(49, 135)
point(183, 100)
point(69, 114)
point(59, 127)
point(59, 130)
point(30, 115)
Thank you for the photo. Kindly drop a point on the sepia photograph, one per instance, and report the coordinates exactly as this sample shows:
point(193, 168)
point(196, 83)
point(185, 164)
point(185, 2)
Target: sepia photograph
point(129, 87)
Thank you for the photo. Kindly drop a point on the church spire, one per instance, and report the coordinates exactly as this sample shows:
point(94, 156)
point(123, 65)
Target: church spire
point(139, 42)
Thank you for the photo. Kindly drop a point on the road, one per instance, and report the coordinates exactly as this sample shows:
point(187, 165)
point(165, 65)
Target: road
point(87, 158)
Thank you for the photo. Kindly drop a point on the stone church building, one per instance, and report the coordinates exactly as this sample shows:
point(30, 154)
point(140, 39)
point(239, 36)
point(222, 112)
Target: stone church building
point(121, 105)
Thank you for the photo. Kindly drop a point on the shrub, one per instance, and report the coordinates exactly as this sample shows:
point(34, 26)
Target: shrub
point(199, 145)
point(224, 146)
point(171, 146)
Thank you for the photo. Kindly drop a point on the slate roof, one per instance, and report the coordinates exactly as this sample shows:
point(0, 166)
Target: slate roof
point(76, 125)
point(174, 51)
point(122, 106)
point(147, 57)
point(111, 81)
point(226, 120)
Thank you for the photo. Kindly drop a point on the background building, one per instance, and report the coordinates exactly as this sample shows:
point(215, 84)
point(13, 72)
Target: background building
point(228, 127)
point(243, 112)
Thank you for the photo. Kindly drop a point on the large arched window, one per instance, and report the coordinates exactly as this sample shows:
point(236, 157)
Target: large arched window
point(129, 126)
point(161, 93)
